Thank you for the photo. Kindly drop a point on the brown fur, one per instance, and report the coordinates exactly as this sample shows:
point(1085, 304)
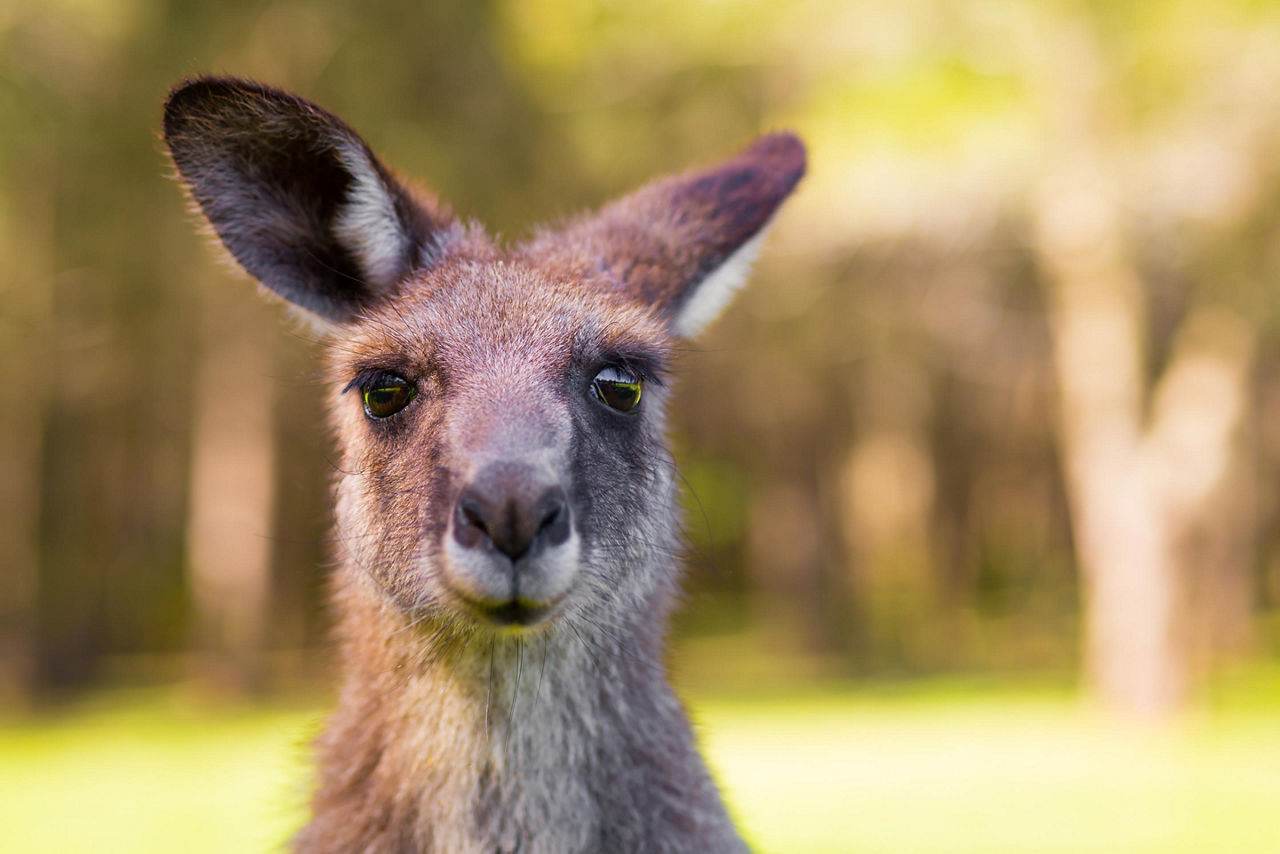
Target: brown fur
point(500, 693)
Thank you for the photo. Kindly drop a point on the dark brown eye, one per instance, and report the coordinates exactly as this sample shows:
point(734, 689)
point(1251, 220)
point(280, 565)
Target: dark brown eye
point(617, 388)
point(386, 395)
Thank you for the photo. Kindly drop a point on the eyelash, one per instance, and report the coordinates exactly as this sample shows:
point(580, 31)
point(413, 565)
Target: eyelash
point(368, 378)
point(639, 366)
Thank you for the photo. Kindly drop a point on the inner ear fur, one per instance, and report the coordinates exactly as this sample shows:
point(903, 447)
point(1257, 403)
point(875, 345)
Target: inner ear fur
point(685, 243)
point(296, 195)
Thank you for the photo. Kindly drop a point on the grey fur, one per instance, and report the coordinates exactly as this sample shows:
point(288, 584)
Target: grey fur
point(456, 729)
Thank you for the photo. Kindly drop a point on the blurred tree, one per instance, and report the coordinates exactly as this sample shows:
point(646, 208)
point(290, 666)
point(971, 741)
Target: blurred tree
point(233, 483)
point(25, 327)
point(1143, 481)
point(1009, 204)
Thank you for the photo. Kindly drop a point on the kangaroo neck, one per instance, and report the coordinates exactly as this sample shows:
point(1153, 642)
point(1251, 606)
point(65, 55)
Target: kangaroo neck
point(561, 741)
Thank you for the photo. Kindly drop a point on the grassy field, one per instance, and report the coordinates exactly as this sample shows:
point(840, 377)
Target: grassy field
point(910, 770)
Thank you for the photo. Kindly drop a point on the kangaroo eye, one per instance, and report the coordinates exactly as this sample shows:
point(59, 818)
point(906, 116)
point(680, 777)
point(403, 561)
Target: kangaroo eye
point(386, 395)
point(617, 388)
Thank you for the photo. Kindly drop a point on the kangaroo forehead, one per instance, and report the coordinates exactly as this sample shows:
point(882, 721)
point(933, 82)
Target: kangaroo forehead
point(509, 317)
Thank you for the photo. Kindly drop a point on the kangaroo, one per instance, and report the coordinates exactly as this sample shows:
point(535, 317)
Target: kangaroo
point(507, 531)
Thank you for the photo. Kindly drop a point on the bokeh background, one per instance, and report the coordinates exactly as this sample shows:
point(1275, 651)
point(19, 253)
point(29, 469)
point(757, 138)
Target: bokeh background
point(982, 468)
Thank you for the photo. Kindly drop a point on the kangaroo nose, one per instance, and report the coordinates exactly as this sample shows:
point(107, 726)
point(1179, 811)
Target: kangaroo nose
point(512, 507)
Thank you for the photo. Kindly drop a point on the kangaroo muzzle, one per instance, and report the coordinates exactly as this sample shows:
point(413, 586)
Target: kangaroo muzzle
point(511, 550)
point(513, 509)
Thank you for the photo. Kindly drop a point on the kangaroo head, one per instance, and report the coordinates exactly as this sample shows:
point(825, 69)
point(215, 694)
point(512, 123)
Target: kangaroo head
point(499, 410)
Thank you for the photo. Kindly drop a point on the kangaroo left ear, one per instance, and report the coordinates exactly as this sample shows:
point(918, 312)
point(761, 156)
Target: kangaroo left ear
point(685, 244)
point(297, 196)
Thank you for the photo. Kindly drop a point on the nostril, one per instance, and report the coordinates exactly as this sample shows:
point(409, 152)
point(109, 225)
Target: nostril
point(548, 510)
point(553, 520)
point(469, 526)
point(471, 513)
point(510, 515)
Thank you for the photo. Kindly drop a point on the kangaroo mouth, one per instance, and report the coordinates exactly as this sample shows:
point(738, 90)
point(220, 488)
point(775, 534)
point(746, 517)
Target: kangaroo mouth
point(517, 612)
point(514, 613)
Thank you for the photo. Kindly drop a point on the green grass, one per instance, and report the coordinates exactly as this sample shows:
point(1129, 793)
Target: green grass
point(938, 768)
point(993, 775)
point(154, 773)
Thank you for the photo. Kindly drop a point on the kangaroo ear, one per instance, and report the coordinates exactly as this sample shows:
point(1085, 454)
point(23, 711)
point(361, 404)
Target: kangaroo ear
point(685, 244)
point(296, 195)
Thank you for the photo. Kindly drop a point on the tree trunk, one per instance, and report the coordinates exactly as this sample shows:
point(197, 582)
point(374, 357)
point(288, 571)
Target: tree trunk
point(1141, 489)
point(230, 522)
point(26, 252)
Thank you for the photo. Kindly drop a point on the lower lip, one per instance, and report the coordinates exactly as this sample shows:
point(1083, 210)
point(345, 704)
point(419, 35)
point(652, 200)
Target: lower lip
point(512, 614)
point(515, 615)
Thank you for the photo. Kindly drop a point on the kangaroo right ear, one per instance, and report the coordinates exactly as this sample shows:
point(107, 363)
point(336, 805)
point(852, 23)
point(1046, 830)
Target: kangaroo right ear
point(684, 244)
point(297, 196)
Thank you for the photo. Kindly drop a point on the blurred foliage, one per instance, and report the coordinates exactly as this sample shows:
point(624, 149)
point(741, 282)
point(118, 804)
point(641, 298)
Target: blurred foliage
point(869, 438)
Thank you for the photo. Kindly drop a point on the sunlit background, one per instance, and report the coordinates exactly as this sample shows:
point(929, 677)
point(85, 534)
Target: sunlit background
point(982, 468)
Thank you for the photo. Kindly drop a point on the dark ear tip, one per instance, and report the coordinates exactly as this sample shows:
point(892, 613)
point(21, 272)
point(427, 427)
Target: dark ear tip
point(215, 85)
point(781, 153)
point(186, 98)
point(199, 95)
point(194, 89)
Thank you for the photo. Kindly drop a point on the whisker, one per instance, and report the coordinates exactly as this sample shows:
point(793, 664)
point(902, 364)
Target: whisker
point(515, 694)
point(541, 671)
point(488, 699)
